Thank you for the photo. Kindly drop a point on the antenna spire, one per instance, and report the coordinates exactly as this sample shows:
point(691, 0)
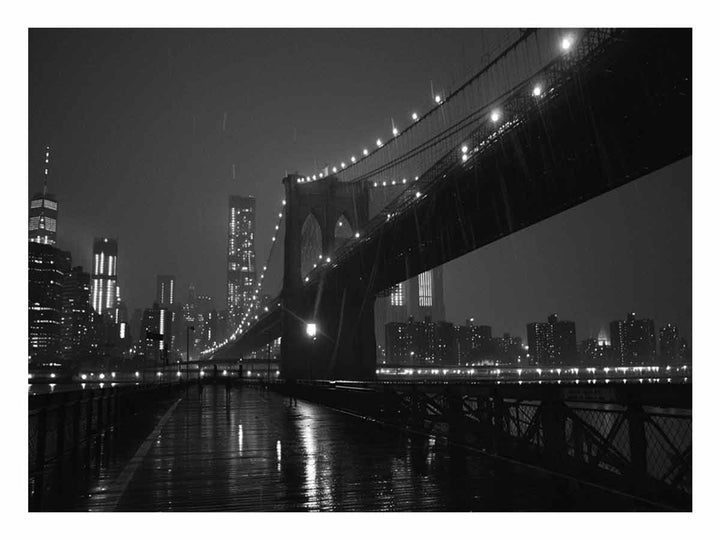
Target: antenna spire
point(47, 166)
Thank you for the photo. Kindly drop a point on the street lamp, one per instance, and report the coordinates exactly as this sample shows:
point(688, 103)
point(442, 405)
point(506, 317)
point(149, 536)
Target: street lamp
point(311, 329)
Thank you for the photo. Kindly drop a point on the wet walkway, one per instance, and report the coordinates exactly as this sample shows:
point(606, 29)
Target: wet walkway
point(246, 450)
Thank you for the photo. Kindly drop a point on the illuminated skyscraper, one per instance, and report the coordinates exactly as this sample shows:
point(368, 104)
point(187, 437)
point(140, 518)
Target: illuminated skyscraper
point(104, 277)
point(241, 273)
point(42, 225)
point(47, 269)
point(165, 296)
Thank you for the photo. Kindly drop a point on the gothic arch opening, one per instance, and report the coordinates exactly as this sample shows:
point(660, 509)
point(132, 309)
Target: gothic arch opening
point(311, 244)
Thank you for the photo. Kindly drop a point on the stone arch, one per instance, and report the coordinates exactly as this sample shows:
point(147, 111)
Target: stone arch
point(311, 243)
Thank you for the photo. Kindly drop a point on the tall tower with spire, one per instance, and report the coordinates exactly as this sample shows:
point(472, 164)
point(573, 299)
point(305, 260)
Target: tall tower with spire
point(42, 225)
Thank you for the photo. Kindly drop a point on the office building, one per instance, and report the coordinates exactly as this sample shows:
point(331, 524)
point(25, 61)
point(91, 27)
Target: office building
point(241, 272)
point(47, 269)
point(78, 333)
point(104, 277)
point(156, 335)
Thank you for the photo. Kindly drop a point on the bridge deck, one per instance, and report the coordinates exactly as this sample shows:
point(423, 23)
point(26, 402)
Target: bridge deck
point(243, 449)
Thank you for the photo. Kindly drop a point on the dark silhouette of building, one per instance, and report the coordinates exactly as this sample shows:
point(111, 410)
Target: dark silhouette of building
point(241, 271)
point(633, 340)
point(156, 322)
point(508, 349)
point(47, 269)
point(593, 351)
point(78, 332)
point(669, 342)
point(552, 343)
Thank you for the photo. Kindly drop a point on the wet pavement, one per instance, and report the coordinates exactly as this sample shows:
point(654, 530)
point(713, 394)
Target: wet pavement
point(243, 449)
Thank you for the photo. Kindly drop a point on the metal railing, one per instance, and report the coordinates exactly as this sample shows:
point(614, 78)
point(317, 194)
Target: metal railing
point(636, 439)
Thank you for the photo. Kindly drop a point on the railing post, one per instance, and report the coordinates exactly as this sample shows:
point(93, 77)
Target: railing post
point(41, 440)
point(89, 417)
point(638, 440)
point(76, 412)
point(553, 429)
point(60, 427)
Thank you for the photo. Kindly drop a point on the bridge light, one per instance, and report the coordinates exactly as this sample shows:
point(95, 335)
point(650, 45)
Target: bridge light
point(566, 43)
point(374, 184)
point(365, 151)
point(379, 143)
point(280, 215)
point(307, 278)
point(357, 235)
point(334, 169)
point(137, 374)
point(417, 194)
point(417, 177)
point(311, 329)
point(404, 180)
point(414, 116)
point(284, 202)
point(273, 238)
point(464, 158)
point(384, 183)
point(464, 149)
point(314, 177)
point(395, 131)
point(277, 227)
point(320, 257)
point(352, 158)
point(438, 99)
point(83, 376)
point(342, 164)
point(320, 175)
point(536, 90)
point(327, 260)
point(393, 182)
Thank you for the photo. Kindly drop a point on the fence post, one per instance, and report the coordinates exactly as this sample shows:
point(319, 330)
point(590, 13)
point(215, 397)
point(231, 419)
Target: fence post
point(553, 429)
point(89, 417)
point(76, 412)
point(41, 439)
point(60, 427)
point(638, 440)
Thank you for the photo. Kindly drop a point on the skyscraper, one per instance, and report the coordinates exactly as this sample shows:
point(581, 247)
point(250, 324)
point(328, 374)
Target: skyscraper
point(165, 296)
point(104, 276)
point(156, 320)
point(42, 225)
point(633, 340)
point(47, 270)
point(77, 328)
point(241, 273)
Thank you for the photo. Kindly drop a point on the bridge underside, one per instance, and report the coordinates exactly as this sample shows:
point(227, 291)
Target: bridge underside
point(627, 114)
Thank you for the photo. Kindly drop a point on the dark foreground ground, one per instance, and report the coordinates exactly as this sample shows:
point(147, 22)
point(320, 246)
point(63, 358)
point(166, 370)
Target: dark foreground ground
point(243, 449)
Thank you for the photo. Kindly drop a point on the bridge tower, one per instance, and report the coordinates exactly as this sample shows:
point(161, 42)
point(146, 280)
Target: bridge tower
point(344, 346)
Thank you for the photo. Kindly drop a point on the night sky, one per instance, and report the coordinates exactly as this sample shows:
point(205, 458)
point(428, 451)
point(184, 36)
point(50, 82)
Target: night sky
point(147, 125)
